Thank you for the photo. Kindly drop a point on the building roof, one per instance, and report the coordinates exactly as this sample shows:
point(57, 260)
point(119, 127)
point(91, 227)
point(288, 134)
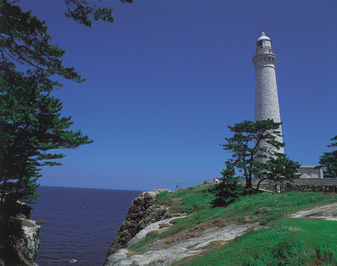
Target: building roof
point(263, 37)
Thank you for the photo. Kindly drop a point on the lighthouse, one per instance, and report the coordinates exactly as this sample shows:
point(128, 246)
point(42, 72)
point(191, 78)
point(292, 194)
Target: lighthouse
point(266, 96)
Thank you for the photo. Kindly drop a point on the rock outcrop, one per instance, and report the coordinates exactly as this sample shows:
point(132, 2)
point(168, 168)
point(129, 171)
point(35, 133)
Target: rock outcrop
point(27, 244)
point(166, 251)
point(141, 213)
point(325, 212)
point(24, 241)
point(144, 217)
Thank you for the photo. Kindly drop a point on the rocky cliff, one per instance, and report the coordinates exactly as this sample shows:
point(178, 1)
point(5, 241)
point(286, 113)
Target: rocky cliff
point(209, 236)
point(27, 244)
point(144, 217)
point(164, 252)
point(141, 213)
point(22, 245)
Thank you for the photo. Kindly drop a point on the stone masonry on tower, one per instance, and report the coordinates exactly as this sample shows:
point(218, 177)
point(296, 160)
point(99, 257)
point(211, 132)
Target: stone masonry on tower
point(266, 96)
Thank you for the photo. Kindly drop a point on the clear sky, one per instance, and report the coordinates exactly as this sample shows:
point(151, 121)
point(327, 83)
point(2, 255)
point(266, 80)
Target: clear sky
point(167, 77)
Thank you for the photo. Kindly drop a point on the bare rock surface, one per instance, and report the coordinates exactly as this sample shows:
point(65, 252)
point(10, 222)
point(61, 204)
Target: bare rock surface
point(28, 242)
point(163, 253)
point(141, 214)
point(326, 212)
point(24, 239)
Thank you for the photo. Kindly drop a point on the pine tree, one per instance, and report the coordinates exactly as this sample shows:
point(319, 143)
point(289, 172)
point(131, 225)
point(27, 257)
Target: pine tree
point(229, 188)
point(30, 122)
point(279, 169)
point(245, 147)
point(31, 125)
point(329, 161)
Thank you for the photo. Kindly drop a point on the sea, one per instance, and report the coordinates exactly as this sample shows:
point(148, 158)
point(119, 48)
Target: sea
point(80, 223)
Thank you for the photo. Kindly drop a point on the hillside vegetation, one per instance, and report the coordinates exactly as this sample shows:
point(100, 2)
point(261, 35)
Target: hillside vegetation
point(282, 240)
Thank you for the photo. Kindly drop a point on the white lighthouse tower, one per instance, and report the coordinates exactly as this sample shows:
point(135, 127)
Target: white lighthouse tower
point(266, 97)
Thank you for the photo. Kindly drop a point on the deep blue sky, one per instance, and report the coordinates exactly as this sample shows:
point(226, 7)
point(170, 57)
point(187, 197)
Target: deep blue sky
point(167, 77)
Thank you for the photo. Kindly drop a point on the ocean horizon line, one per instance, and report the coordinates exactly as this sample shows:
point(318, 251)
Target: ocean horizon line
point(95, 188)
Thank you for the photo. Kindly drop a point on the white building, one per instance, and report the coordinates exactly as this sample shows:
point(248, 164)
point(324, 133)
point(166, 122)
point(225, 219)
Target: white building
point(266, 96)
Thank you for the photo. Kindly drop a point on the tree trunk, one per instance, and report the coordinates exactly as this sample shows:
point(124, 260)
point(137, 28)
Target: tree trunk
point(258, 184)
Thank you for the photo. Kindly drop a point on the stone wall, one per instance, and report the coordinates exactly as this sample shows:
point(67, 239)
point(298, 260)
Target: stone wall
point(303, 185)
point(309, 188)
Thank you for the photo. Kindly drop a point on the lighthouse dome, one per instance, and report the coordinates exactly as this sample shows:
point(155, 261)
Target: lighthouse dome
point(263, 44)
point(263, 37)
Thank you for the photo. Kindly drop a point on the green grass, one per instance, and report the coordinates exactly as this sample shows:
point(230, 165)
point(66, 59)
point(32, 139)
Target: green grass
point(260, 207)
point(150, 237)
point(283, 241)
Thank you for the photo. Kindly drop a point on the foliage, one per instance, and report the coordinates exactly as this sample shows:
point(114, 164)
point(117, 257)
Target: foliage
point(229, 189)
point(30, 122)
point(82, 12)
point(24, 39)
point(30, 118)
point(30, 126)
point(279, 169)
point(254, 147)
point(329, 161)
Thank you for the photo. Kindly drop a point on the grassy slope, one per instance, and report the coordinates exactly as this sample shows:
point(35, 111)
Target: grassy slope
point(283, 241)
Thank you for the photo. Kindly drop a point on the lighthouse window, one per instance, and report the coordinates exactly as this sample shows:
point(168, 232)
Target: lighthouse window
point(259, 43)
